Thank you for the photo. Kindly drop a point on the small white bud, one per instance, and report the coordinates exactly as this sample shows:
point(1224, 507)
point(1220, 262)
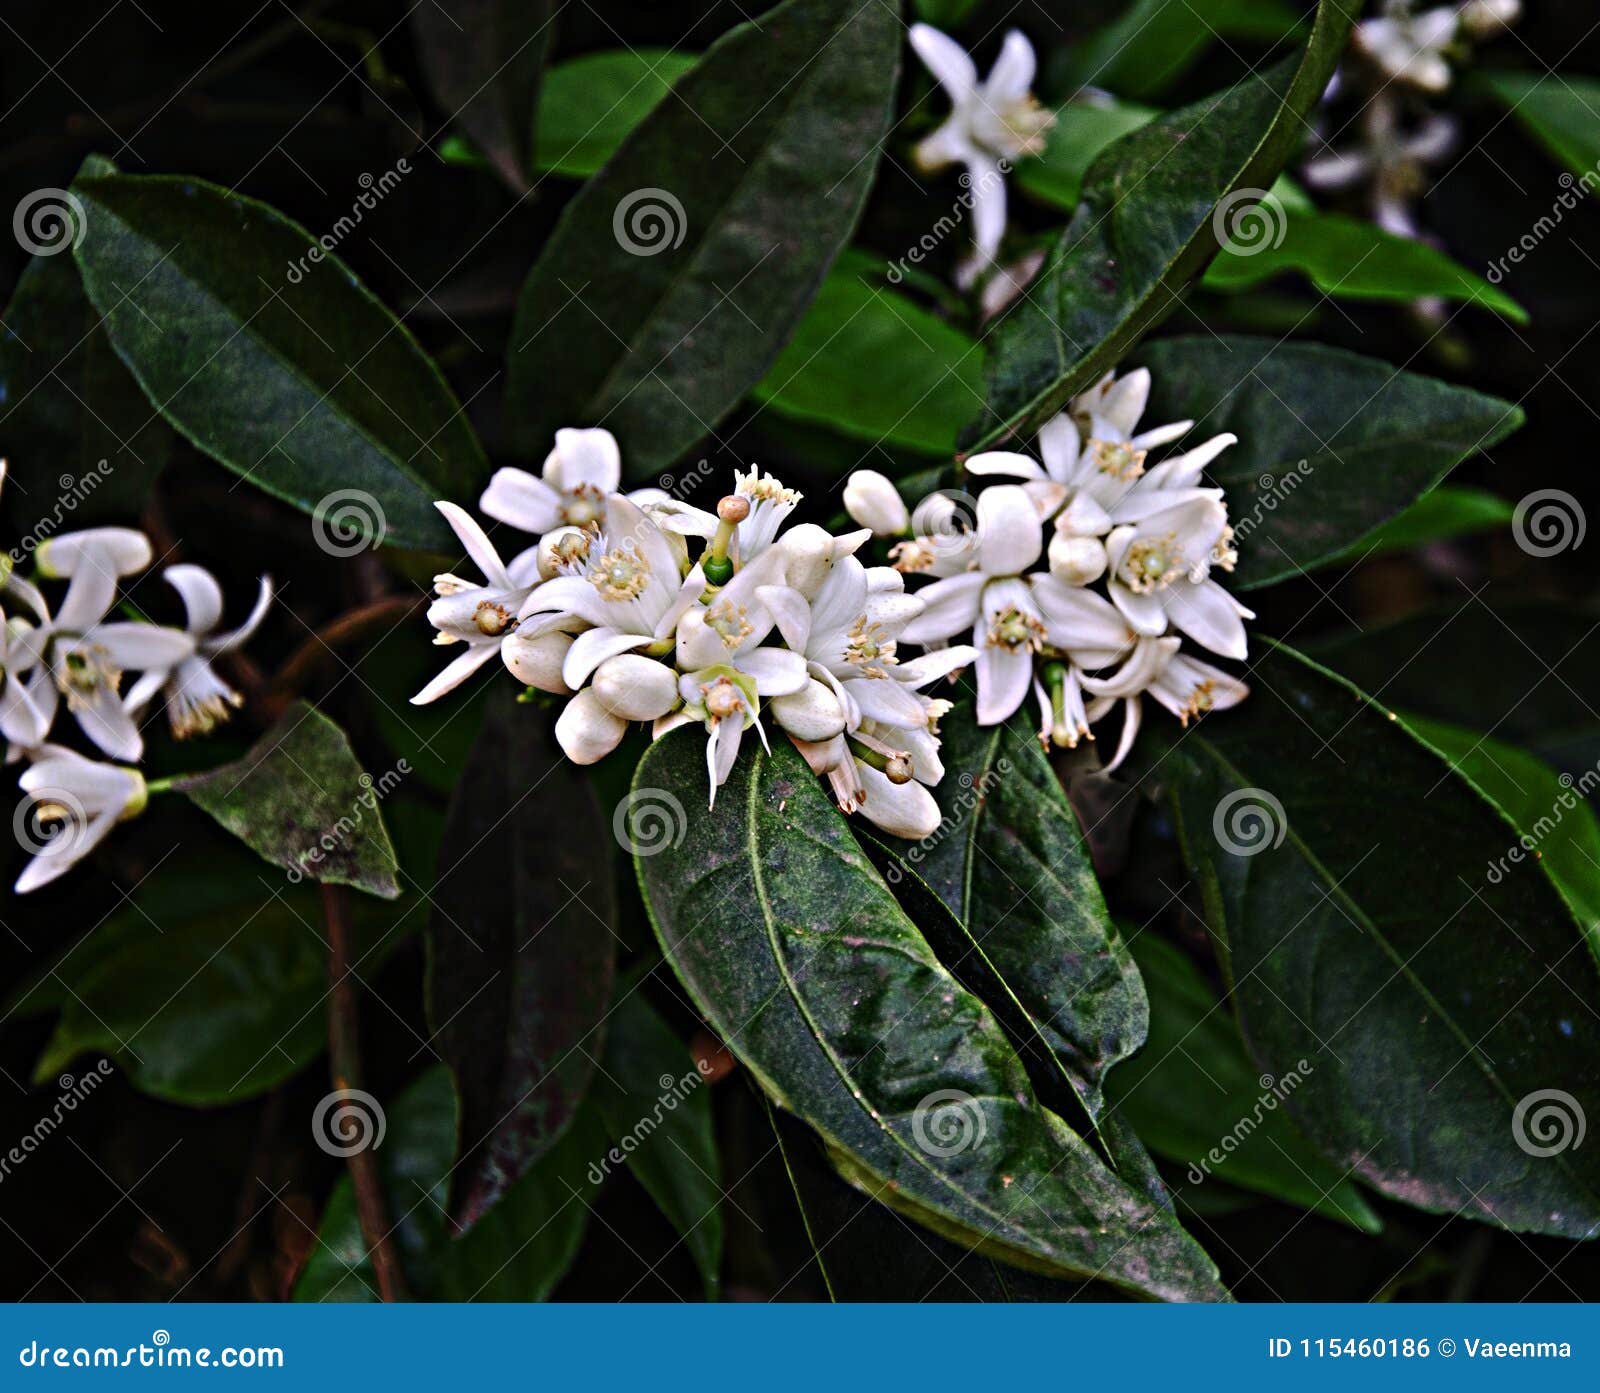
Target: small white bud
point(1077, 560)
point(1483, 19)
point(811, 714)
point(536, 662)
point(586, 731)
point(635, 688)
point(874, 502)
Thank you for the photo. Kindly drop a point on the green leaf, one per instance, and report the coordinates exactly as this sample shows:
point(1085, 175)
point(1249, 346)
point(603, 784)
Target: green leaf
point(1154, 42)
point(204, 991)
point(1331, 444)
point(1446, 512)
point(1558, 109)
point(1194, 1096)
point(1349, 257)
point(483, 60)
point(944, 14)
point(518, 1252)
point(1382, 943)
point(1559, 828)
point(1010, 863)
point(798, 956)
point(1144, 228)
point(676, 275)
point(267, 353)
point(82, 443)
point(657, 1111)
point(301, 800)
point(589, 105)
point(522, 948)
point(871, 363)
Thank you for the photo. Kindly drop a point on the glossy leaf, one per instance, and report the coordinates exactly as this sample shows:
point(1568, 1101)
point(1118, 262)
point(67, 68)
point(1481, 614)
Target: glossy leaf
point(1144, 228)
point(1331, 444)
point(301, 800)
point(1194, 1096)
point(588, 105)
point(1558, 109)
point(676, 275)
point(522, 949)
point(1382, 943)
point(483, 60)
point(798, 956)
point(873, 364)
point(656, 1107)
point(1440, 515)
point(1352, 258)
point(268, 354)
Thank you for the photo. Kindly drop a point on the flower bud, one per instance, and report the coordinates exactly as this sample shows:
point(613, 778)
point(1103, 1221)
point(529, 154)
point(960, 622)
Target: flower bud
point(1483, 19)
point(635, 688)
point(586, 731)
point(875, 503)
point(811, 714)
point(536, 662)
point(902, 810)
point(1077, 560)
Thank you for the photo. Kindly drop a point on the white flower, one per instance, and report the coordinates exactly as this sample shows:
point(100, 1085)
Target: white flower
point(24, 717)
point(198, 699)
point(770, 503)
point(480, 616)
point(84, 799)
point(579, 474)
point(990, 124)
point(1410, 48)
point(1393, 157)
point(1185, 686)
point(874, 503)
point(942, 542)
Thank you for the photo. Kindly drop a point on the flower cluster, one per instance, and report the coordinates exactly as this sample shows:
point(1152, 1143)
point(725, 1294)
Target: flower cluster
point(76, 655)
point(1153, 535)
point(641, 608)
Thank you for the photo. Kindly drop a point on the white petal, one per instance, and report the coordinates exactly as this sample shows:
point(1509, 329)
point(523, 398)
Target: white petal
point(951, 606)
point(1004, 675)
point(589, 457)
point(202, 596)
point(586, 731)
point(777, 671)
point(1207, 613)
point(988, 194)
point(790, 611)
point(107, 722)
point(903, 810)
point(133, 644)
point(1059, 445)
point(1012, 75)
point(476, 543)
point(226, 643)
point(88, 599)
point(593, 647)
point(456, 672)
point(950, 64)
point(1010, 538)
point(121, 551)
point(1004, 462)
point(1146, 613)
point(879, 699)
point(522, 499)
point(930, 667)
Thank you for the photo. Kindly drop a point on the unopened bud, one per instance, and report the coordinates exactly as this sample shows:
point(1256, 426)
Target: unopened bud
point(875, 503)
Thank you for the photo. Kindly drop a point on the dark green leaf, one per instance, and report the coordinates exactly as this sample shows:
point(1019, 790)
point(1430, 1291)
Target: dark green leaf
point(657, 1111)
point(1445, 512)
point(589, 105)
point(522, 948)
point(301, 800)
point(1194, 1096)
point(1144, 228)
point(1384, 944)
point(1349, 257)
point(1331, 444)
point(871, 363)
point(269, 355)
point(483, 60)
point(676, 275)
point(1559, 109)
point(798, 956)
